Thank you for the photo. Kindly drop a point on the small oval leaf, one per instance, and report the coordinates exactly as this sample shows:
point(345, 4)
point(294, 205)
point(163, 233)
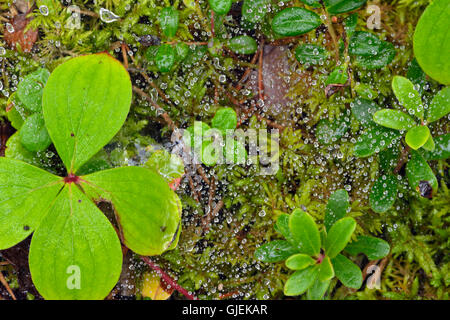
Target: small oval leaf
point(394, 119)
point(275, 251)
point(295, 21)
point(373, 248)
point(338, 236)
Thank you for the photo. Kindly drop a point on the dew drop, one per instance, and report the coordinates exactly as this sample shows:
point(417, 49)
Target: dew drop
point(108, 16)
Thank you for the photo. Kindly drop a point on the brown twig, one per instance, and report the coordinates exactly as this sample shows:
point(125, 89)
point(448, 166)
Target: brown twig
point(247, 73)
point(402, 160)
point(206, 221)
point(124, 55)
point(168, 279)
point(6, 285)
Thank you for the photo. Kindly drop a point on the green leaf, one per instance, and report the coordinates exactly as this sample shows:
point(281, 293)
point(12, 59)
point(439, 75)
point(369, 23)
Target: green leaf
point(220, 7)
point(29, 90)
point(347, 272)
point(26, 193)
point(75, 252)
point(310, 54)
point(394, 119)
point(254, 11)
point(304, 232)
point(383, 193)
point(375, 139)
point(416, 75)
point(169, 20)
point(170, 166)
point(363, 111)
point(85, 103)
point(336, 207)
point(300, 281)
point(337, 76)
point(408, 96)
point(329, 132)
point(429, 145)
point(418, 170)
point(373, 248)
point(148, 211)
point(275, 251)
point(312, 3)
point(326, 271)
point(338, 236)
point(432, 41)
point(350, 24)
point(13, 114)
point(15, 150)
point(386, 54)
point(299, 261)
point(365, 91)
point(33, 133)
point(341, 6)
point(364, 44)
point(416, 137)
point(224, 119)
point(282, 227)
point(441, 150)
point(439, 106)
point(243, 45)
point(295, 21)
point(165, 58)
point(317, 290)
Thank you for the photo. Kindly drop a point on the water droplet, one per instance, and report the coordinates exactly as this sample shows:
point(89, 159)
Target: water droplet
point(43, 10)
point(9, 27)
point(108, 16)
point(2, 51)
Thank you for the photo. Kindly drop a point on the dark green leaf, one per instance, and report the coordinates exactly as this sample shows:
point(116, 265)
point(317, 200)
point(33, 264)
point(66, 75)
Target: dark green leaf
point(282, 227)
point(373, 248)
point(220, 6)
point(310, 54)
point(418, 170)
point(317, 290)
point(374, 140)
point(338, 76)
point(386, 54)
point(364, 44)
point(350, 24)
point(327, 132)
point(347, 272)
point(394, 119)
point(441, 150)
point(165, 58)
point(383, 193)
point(254, 11)
point(33, 133)
point(29, 90)
point(439, 106)
point(169, 20)
point(243, 45)
point(336, 208)
point(408, 96)
point(363, 111)
point(275, 251)
point(416, 75)
point(295, 21)
point(341, 6)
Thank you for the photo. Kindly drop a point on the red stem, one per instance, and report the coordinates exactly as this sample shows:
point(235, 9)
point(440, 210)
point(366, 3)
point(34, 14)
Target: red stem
point(168, 279)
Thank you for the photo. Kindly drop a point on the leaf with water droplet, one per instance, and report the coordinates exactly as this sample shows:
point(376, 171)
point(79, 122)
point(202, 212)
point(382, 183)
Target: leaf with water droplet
point(169, 21)
point(386, 54)
point(418, 170)
point(439, 106)
point(310, 54)
point(30, 89)
point(254, 11)
point(33, 133)
point(383, 193)
point(373, 248)
point(337, 206)
point(224, 119)
point(275, 251)
point(347, 272)
point(394, 119)
point(304, 232)
point(220, 7)
point(408, 96)
point(363, 110)
point(295, 21)
point(374, 140)
point(342, 6)
point(338, 236)
point(243, 45)
point(364, 44)
point(165, 58)
point(416, 137)
point(441, 150)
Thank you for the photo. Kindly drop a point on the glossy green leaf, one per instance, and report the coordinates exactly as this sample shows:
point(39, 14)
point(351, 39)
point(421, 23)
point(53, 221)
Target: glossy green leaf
point(429, 145)
point(363, 110)
point(300, 281)
point(225, 119)
point(299, 261)
point(386, 54)
point(326, 271)
point(26, 193)
point(341, 6)
point(338, 236)
point(243, 45)
point(254, 11)
point(388, 158)
point(317, 290)
point(416, 75)
point(85, 103)
point(220, 6)
point(347, 272)
point(75, 252)
point(148, 211)
point(329, 132)
point(439, 106)
point(432, 41)
point(418, 170)
point(275, 251)
point(310, 54)
point(408, 96)
point(14, 111)
point(365, 91)
point(416, 137)
point(170, 166)
point(295, 21)
point(282, 227)
point(33, 133)
point(181, 51)
point(375, 139)
point(364, 44)
point(165, 58)
point(29, 90)
point(169, 21)
point(336, 208)
point(373, 248)
point(383, 193)
point(337, 76)
point(394, 119)
point(304, 232)
point(441, 150)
